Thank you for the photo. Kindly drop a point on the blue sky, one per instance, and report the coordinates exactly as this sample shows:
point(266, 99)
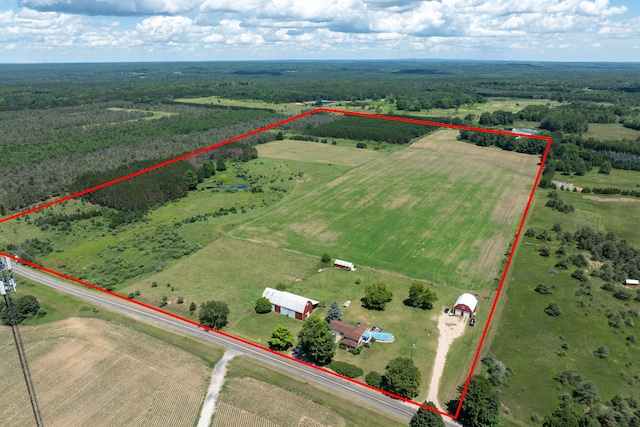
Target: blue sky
point(205, 30)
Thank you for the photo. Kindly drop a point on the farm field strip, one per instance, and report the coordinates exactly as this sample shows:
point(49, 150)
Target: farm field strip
point(252, 395)
point(91, 372)
point(308, 151)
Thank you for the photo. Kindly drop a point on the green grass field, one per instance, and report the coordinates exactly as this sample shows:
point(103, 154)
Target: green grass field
point(289, 108)
point(529, 341)
point(383, 107)
point(440, 210)
point(609, 131)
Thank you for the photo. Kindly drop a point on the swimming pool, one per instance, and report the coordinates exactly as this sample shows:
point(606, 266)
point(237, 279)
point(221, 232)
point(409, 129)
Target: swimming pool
point(380, 336)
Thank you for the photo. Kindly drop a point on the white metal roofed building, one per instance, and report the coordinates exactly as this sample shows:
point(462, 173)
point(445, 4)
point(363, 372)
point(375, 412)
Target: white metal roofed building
point(465, 305)
point(344, 264)
point(289, 304)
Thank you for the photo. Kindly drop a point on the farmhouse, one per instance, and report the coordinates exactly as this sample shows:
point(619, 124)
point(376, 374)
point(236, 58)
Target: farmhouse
point(465, 305)
point(289, 304)
point(631, 282)
point(352, 336)
point(344, 264)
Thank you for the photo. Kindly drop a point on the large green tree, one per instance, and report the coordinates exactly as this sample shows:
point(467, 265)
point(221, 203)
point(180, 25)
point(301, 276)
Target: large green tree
point(563, 417)
point(191, 180)
point(281, 339)
point(23, 306)
point(421, 296)
point(426, 418)
point(263, 305)
point(316, 341)
point(402, 377)
point(214, 314)
point(376, 296)
point(481, 405)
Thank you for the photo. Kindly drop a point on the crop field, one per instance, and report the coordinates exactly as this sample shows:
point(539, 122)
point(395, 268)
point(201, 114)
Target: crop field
point(267, 402)
point(92, 372)
point(537, 346)
point(253, 392)
point(439, 210)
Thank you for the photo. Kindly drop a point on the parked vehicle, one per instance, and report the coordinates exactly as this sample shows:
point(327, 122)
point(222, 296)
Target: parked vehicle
point(446, 310)
point(472, 322)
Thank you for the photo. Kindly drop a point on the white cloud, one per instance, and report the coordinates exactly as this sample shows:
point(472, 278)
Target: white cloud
point(348, 28)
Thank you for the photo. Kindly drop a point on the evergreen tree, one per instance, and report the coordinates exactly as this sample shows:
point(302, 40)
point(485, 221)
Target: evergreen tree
point(220, 165)
point(335, 313)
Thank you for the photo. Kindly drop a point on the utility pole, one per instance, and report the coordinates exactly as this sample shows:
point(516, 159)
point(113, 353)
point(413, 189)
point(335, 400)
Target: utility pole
point(8, 285)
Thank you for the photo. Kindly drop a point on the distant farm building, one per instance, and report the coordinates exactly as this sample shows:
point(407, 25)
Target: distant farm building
point(525, 131)
point(465, 305)
point(352, 335)
point(344, 265)
point(632, 282)
point(289, 304)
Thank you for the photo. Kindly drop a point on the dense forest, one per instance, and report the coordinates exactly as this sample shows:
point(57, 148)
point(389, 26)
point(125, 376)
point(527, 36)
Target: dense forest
point(425, 84)
point(44, 151)
point(365, 128)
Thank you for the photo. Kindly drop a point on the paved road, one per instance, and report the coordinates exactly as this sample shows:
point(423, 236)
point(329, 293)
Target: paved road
point(395, 408)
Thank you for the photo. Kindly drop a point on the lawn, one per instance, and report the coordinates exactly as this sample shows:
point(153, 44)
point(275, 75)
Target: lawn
point(207, 275)
point(530, 341)
point(440, 210)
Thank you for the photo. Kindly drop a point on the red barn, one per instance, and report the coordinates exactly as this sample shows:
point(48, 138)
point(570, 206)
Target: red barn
point(465, 305)
point(289, 304)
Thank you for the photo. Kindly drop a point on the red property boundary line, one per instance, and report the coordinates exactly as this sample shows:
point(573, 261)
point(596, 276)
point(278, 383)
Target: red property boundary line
point(274, 125)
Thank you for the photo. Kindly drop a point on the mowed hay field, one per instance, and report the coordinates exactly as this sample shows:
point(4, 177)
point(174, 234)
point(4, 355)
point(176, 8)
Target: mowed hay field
point(95, 373)
point(440, 210)
point(314, 152)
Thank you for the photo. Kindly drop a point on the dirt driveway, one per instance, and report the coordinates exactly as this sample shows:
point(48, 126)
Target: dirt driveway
point(450, 327)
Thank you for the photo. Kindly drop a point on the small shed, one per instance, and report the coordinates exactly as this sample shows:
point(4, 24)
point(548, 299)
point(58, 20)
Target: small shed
point(289, 304)
point(632, 282)
point(344, 265)
point(465, 305)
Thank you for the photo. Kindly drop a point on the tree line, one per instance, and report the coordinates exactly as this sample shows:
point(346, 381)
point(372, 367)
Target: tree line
point(365, 128)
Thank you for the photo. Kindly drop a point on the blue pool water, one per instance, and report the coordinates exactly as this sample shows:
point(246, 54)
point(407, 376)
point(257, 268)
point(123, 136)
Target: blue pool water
point(234, 187)
point(380, 336)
